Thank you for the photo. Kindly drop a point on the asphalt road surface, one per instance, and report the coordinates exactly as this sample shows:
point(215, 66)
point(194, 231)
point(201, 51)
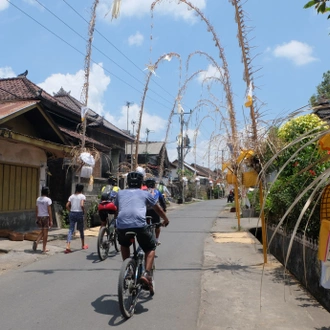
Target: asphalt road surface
point(77, 291)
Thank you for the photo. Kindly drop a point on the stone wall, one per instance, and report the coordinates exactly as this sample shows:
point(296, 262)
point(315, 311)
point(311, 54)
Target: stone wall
point(302, 262)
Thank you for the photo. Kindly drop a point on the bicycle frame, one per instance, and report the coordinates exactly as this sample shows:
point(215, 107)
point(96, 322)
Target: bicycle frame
point(138, 255)
point(129, 284)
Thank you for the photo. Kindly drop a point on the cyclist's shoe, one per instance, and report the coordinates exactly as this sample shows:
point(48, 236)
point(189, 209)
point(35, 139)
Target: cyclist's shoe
point(146, 280)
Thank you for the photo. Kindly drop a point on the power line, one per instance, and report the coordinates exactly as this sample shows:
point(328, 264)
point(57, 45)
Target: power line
point(80, 52)
point(139, 69)
point(83, 54)
point(99, 50)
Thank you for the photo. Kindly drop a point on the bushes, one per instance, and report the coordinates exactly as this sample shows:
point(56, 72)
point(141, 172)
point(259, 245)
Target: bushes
point(296, 174)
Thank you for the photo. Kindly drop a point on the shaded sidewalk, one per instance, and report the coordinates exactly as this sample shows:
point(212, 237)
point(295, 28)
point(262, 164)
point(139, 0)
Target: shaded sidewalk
point(239, 292)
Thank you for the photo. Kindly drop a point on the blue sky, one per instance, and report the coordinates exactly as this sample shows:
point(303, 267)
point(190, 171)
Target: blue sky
point(289, 44)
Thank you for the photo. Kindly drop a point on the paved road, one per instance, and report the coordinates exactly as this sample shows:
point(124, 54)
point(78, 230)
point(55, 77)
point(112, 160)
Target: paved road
point(76, 291)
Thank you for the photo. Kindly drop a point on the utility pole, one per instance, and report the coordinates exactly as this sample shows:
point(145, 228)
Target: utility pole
point(147, 141)
point(128, 105)
point(181, 145)
point(133, 124)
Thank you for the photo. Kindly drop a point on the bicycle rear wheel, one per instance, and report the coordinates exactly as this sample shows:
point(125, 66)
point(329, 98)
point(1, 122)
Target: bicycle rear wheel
point(127, 289)
point(114, 235)
point(115, 240)
point(103, 243)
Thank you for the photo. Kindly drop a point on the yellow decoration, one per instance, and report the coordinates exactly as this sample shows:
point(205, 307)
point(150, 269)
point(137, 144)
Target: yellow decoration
point(249, 101)
point(225, 166)
point(324, 240)
point(325, 204)
point(325, 224)
point(231, 178)
point(249, 179)
point(244, 154)
point(325, 142)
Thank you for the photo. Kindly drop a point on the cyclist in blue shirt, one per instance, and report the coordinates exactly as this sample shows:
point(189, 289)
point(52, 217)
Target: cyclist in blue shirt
point(132, 205)
point(151, 184)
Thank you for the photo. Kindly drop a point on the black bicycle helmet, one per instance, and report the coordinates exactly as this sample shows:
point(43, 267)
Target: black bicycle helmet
point(151, 183)
point(112, 180)
point(134, 179)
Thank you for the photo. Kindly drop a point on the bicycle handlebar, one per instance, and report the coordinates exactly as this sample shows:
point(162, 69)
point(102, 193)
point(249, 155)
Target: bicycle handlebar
point(162, 223)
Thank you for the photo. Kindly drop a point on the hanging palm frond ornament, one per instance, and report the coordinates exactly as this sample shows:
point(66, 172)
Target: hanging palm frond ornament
point(151, 68)
point(115, 9)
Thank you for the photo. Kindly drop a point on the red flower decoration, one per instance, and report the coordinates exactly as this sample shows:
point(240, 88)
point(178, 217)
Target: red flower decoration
point(312, 172)
point(295, 164)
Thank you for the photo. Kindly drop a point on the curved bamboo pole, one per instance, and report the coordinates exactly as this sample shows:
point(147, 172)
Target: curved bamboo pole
point(226, 76)
point(85, 89)
point(178, 98)
point(152, 69)
point(246, 59)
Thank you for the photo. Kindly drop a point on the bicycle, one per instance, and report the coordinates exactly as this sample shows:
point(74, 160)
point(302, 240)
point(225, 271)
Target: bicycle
point(129, 286)
point(107, 237)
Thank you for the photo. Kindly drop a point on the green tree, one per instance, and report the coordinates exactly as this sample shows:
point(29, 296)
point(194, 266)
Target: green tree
point(322, 90)
point(297, 174)
point(320, 6)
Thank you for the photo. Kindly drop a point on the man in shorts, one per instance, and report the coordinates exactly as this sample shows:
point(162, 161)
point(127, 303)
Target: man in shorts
point(132, 205)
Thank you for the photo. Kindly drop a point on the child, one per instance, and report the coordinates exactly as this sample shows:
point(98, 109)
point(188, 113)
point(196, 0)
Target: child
point(75, 206)
point(44, 218)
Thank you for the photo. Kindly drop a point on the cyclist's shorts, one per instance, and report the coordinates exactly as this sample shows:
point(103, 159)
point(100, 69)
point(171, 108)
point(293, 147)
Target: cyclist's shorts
point(155, 217)
point(103, 215)
point(144, 236)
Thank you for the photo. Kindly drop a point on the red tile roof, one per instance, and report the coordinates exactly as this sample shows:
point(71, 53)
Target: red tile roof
point(9, 108)
point(21, 88)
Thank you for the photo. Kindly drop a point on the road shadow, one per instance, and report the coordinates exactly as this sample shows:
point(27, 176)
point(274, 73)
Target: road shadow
point(94, 257)
point(108, 305)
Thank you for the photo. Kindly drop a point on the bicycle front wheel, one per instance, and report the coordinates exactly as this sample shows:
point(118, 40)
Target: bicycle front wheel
point(103, 244)
point(127, 288)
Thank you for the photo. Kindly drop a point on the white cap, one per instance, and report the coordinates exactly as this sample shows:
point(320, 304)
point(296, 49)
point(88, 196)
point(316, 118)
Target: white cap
point(141, 170)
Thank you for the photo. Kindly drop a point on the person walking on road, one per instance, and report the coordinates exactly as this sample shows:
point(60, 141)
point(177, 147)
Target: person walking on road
point(76, 207)
point(44, 218)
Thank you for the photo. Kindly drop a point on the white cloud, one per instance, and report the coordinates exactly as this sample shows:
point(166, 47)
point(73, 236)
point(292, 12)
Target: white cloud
point(140, 8)
point(98, 83)
point(4, 4)
point(136, 39)
point(155, 124)
point(211, 71)
point(298, 52)
point(7, 72)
